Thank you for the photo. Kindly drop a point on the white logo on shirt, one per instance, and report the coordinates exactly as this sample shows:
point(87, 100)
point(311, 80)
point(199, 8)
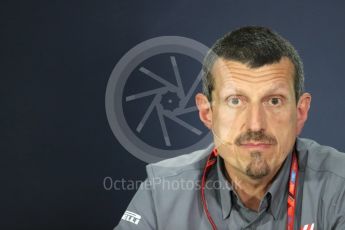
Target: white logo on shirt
point(308, 227)
point(131, 217)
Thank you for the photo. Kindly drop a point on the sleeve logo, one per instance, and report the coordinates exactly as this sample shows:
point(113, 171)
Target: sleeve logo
point(131, 217)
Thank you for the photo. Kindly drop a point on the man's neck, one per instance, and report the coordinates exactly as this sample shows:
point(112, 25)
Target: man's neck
point(250, 191)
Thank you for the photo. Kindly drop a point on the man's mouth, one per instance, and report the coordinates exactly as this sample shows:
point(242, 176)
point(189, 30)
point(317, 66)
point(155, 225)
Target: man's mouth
point(256, 145)
point(255, 139)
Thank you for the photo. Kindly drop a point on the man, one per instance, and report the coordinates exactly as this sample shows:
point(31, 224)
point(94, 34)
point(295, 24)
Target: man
point(258, 174)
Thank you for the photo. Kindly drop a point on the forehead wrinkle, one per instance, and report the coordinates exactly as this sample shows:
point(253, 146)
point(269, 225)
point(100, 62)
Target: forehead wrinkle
point(256, 78)
point(253, 73)
point(276, 87)
point(231, 71)
point(244, 81)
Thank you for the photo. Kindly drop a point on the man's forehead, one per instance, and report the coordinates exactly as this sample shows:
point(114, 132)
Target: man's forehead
point(225, 69)
point(272, 87)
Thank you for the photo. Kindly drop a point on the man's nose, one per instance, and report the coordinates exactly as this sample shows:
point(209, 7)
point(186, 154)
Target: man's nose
point(256, 118)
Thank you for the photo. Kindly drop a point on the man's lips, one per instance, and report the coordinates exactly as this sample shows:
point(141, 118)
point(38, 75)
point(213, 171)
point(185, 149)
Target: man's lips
point(256, 145)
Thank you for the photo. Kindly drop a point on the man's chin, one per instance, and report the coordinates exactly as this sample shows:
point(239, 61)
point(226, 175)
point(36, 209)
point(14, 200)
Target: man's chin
point(258, 170)
point(257, 175)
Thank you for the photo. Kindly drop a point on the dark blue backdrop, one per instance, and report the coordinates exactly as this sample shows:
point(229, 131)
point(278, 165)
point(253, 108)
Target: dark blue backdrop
point(56, 58)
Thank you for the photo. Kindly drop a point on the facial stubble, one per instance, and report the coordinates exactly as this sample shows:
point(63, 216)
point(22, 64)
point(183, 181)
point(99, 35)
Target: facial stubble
point(258, 167)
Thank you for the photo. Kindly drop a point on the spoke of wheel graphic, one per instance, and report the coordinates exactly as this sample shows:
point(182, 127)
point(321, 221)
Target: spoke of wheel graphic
point(145, 94)
point(177, 76)
point(184, 124)
point(164, 128)
point(181, 111)
point(185, 100)
point(147, 113)
point(158, 78)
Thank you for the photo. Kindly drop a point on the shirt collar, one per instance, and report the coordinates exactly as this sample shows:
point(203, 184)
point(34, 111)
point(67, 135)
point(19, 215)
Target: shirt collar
point(225, 188)
point(279, 187)
point(275, 193)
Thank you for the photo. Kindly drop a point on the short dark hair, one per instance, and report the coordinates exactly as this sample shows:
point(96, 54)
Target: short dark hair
point(254, 46)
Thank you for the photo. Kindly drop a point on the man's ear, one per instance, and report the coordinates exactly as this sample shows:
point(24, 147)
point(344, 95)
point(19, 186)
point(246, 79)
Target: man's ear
point(204, 107)
point(302, 111)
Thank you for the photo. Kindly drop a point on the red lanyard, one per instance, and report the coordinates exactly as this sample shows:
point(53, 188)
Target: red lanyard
point(291, 202)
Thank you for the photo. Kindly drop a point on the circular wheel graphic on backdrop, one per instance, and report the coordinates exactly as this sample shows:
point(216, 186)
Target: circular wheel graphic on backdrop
point(150, 99)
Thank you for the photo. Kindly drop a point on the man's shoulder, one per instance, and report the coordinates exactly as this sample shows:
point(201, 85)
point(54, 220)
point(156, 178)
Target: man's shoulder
point(321, 158)
point(324, 179)
point(191, 163)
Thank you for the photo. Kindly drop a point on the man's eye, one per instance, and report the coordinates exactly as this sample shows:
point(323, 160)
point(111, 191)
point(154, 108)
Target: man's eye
point(275, 101)
point(234, 101)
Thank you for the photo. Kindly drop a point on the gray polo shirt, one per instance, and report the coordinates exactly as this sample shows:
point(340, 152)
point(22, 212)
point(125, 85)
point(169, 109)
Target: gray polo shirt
point(170, 196)
point(272, 207)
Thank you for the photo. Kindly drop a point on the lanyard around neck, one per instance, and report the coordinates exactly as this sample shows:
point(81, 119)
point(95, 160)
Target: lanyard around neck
point(292, 190)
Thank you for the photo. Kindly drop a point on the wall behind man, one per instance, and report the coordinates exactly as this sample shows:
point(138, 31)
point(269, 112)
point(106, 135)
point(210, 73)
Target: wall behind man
point(56, 58)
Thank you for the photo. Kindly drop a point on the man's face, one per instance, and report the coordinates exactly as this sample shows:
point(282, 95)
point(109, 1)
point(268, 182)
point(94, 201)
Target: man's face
point(254, 116)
